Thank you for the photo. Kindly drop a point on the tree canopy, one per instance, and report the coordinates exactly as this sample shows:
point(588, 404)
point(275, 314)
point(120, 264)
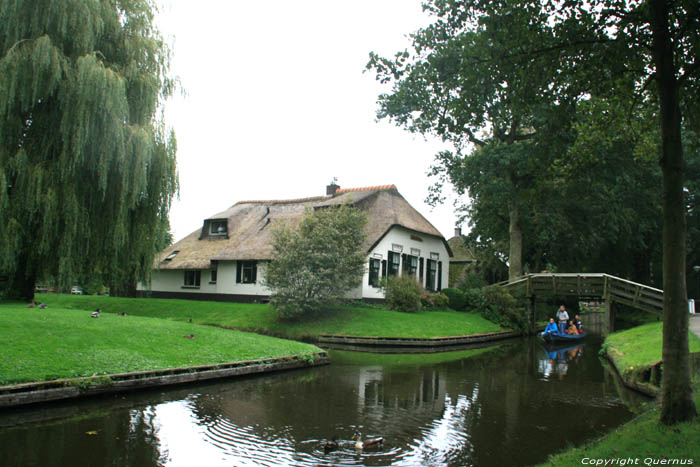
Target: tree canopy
point(315, 265)
point(87, 168)
point(499, 74)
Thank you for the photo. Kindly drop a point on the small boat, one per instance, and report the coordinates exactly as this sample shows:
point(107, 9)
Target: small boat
point(559, 337)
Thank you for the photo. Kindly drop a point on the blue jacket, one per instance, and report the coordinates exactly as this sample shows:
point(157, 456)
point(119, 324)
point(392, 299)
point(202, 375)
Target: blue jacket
point(551, 327)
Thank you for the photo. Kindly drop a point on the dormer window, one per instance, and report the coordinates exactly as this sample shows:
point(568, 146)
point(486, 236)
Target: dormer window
point(171, 255)
point(217, 227)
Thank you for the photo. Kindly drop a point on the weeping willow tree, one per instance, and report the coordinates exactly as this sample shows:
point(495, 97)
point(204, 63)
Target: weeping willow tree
point(87, 169)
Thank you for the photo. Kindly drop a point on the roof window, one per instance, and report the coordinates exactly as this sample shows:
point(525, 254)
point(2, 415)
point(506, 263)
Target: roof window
point(217, 227)
point(171, 255)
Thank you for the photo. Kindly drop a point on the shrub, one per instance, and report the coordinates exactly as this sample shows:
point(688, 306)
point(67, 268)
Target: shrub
point(314, 265)
point(434, 301)
point(474, 299)
point(456, 297)
point(403, 294)
point(501, 308)
point(471, 280)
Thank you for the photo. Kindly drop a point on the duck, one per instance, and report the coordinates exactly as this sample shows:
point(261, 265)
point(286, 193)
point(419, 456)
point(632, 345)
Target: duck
point(331, 445)
point(96, 313)
point(189, 336)
point(368, 443)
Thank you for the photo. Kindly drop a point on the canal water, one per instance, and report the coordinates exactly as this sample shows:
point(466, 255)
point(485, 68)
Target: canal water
point(508, 405)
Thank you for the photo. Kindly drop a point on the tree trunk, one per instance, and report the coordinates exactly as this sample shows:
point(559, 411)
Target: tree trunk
point(676, 391)
point(23, 282)
point(515, 255)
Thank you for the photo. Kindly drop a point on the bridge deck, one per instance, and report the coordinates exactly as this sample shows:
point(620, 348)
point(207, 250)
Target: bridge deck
point(591, 286)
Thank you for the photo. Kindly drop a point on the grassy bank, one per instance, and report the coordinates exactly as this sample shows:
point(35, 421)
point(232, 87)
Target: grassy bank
point(57, 343)
point(644, 437)
point(635, 349)
point(354, 320)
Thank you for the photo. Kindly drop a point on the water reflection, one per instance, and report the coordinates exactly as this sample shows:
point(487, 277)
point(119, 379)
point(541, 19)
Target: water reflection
point(503, 406)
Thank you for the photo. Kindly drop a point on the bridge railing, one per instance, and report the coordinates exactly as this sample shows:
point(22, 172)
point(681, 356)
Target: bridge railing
point(589, 286)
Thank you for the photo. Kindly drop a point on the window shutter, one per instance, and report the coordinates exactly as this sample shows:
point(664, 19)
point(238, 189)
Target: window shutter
point(421, 270)
point(383, 268)
point(255, 271)
point(239, 268)
point(439, 278)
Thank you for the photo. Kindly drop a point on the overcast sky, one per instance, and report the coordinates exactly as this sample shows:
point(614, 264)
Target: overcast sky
point(277, 103)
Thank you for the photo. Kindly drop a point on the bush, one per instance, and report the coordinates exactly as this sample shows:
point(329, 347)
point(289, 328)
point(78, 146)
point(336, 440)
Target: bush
point(456, 298)
point(501, 308)
point(472, 280)
point(403, 294)
point(315, 265)
point(435, 301)
point(473, 299)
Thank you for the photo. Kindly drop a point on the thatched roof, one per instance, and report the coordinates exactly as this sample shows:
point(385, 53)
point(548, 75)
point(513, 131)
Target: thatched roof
point(461, 252)
point(250, 225)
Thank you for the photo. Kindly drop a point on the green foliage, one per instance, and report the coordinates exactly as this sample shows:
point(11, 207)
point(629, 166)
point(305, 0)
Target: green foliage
point(501, 308)
point(403, 294)
point(456, 298)
point(315, 265)
point(87, 167)
point(434, 301)
point(474, 299)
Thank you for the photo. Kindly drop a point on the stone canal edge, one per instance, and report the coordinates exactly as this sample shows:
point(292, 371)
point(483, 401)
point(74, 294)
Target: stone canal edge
point(47, 391)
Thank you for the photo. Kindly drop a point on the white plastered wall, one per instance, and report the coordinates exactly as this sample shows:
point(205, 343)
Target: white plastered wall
point(408, 241)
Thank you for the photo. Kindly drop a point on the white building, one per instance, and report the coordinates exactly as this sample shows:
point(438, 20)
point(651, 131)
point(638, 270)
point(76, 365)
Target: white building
point(227, 257)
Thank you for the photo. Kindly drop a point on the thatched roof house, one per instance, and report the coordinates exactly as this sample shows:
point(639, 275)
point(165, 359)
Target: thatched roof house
point(241, 237)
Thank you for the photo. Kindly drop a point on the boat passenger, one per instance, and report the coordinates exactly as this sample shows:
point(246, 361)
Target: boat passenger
point(551, 328)
point(572, 330)
point(579, 324)
point(563, 317)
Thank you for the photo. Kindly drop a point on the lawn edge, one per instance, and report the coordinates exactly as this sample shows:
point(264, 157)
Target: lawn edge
point(48, 391)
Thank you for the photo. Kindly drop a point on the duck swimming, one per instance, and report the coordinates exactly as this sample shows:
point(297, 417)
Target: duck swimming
point(331, 445)
point(368, 443)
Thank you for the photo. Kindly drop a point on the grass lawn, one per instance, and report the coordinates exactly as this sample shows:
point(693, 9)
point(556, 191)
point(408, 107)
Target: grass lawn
point(640, 347)
point(356, 320)
point(57, 343)
point(644, 437)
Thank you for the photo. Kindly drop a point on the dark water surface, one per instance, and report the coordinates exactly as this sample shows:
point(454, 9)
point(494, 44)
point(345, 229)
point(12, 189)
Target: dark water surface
point(505, 406)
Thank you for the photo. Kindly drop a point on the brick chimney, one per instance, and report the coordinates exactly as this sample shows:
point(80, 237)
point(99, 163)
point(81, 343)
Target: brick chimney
point(458, 231)
point(332, 188)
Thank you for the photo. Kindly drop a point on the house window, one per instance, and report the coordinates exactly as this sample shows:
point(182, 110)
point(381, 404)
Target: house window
point(246, 272)
point(432, 275)
point(213, 276)
point(217, 227)
point(410, 265)
point(394, 264)
point(374, 266)
point(192, 278)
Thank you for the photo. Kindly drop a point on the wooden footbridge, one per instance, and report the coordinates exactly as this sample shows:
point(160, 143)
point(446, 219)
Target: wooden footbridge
point(590, 287)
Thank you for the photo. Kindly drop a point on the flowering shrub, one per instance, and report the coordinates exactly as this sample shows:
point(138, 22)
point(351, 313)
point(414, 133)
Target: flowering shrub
point(434, 301)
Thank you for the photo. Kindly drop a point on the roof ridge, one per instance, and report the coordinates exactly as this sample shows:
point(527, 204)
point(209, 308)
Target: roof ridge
point(318, 198)
point(367, 188)
point(281, 201)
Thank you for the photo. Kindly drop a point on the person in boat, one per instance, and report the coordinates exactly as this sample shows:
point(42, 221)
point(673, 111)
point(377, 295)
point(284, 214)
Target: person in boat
point(551, 328)
point(579, 324)
point(563, 317)
point(572, 330)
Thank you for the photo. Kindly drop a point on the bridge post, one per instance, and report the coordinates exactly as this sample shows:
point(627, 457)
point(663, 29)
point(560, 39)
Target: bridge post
point(609, 315)
point(533, 313)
